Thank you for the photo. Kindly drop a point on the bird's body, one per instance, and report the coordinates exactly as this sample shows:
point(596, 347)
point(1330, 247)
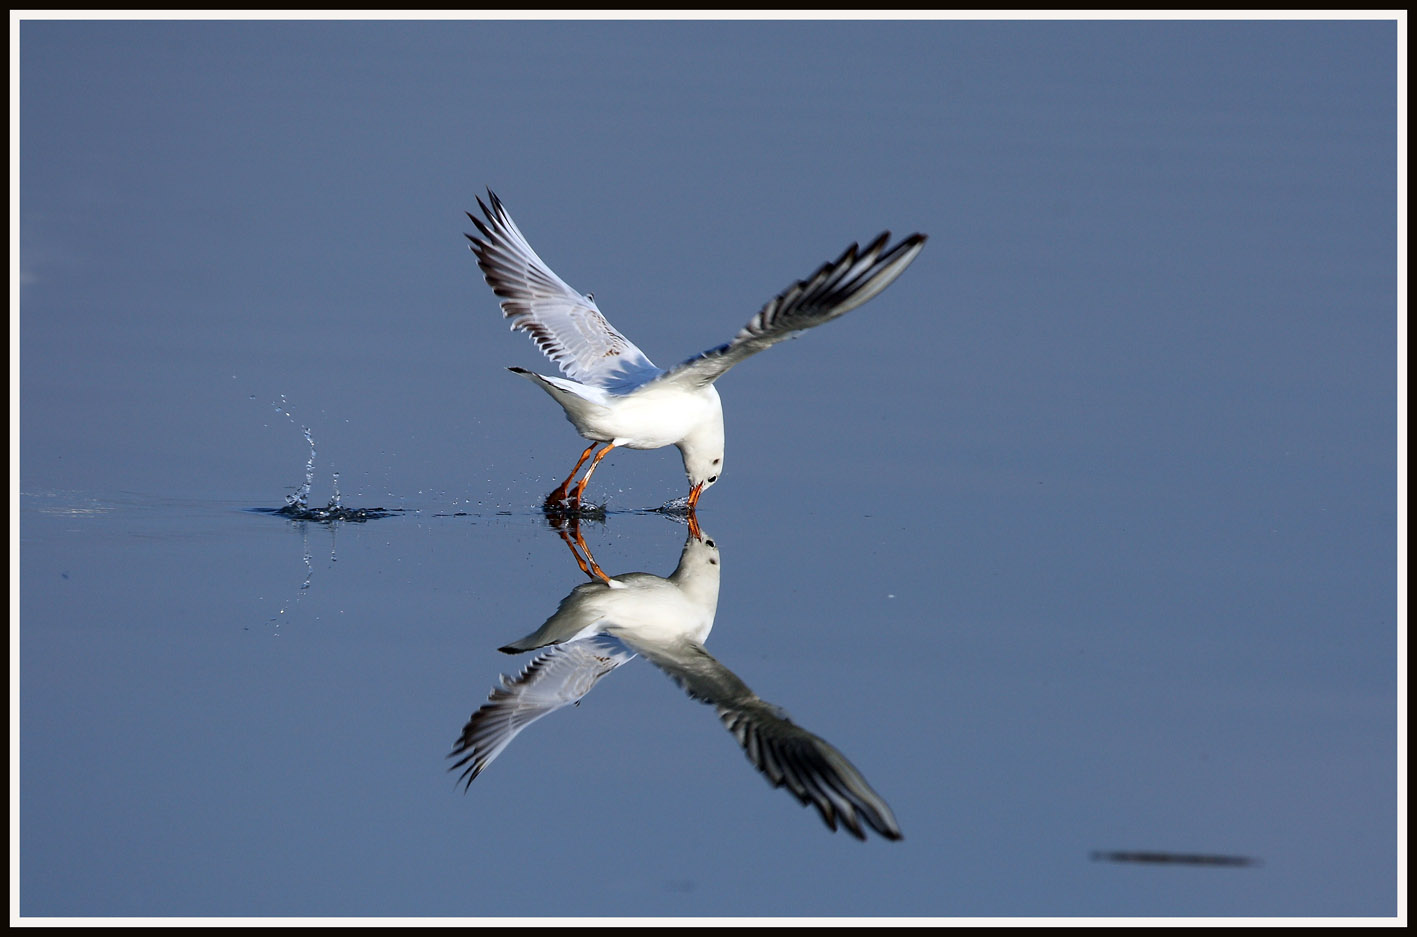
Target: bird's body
point(611, 392)
point(658, 414)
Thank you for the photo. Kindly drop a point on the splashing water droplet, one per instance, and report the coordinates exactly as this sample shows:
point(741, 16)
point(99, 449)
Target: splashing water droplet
point(302, 496)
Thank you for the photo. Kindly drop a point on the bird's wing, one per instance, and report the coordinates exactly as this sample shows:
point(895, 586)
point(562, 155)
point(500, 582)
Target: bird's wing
point(835, 289)
point(553, 680)
point(787, 754)
point(566, 325)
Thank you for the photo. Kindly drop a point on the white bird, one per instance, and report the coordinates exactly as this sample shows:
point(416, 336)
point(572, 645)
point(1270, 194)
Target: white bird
point(612, 393)
point(603, 624)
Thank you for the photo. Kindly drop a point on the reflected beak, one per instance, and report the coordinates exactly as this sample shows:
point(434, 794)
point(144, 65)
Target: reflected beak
point(694, 495)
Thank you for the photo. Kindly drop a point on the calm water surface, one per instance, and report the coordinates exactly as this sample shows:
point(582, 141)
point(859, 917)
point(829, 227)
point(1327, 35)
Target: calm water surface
point(1078, 541)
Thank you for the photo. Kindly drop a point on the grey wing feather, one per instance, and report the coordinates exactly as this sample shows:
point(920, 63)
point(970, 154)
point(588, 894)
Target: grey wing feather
point(835, 289)
point(786, 754)
point(566, 325)
point(553, 680)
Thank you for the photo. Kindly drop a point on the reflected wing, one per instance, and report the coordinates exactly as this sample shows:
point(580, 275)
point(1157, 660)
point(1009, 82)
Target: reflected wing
point(835, 289)
point(787, 754)
point(551, 681)
point(566, 325)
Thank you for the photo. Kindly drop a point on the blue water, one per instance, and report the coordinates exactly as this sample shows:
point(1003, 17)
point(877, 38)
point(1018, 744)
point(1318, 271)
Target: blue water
point(1078, 540)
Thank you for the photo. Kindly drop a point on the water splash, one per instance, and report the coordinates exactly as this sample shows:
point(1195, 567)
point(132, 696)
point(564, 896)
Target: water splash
point(301, 496)
point(298, 499)
point(567, 511)
point(297, 503)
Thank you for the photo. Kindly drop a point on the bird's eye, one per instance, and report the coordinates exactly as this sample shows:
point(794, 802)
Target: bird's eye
point(712, 479)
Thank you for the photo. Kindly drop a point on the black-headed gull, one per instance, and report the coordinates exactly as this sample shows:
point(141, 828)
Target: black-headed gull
point(605, 623)
point(612, 393)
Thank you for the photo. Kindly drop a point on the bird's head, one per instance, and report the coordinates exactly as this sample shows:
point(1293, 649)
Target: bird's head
point(702, 467)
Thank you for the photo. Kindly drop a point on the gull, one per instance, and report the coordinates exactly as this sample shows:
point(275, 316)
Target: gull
point(603, 624)
point(612, 393)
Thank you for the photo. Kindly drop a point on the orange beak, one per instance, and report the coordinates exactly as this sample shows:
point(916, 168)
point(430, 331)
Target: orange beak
point(694, 495)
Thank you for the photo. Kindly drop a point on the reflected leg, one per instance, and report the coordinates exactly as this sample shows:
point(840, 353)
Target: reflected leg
point(588, 565)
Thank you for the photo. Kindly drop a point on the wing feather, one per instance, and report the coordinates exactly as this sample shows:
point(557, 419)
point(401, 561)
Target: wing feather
point(834, 290)
point(784, 752)
point(552, 681)
point(567, 326)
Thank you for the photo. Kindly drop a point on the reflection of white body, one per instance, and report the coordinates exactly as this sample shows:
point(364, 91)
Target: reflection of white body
point(605, 623)
point(612, 393)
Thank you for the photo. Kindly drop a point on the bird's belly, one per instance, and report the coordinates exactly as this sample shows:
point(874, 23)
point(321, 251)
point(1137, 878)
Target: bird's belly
point(649, 421)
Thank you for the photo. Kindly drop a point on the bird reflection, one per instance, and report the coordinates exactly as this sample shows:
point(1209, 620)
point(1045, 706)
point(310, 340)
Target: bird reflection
point(605, 623)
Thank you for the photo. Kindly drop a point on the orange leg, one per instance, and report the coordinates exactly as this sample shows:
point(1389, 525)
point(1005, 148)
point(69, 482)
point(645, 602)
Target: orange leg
point(580, 489)
point(559, 495)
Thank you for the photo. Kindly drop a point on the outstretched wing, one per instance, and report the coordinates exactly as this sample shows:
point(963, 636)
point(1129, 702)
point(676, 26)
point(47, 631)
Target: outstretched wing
point(787, 754)
point(835, 289)
point(553, 680)
point(566, 325)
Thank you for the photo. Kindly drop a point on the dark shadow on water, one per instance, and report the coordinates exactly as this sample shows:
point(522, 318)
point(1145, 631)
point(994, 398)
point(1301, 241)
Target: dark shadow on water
point(1152, 857)
point(562, 515)
point(330, 513)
